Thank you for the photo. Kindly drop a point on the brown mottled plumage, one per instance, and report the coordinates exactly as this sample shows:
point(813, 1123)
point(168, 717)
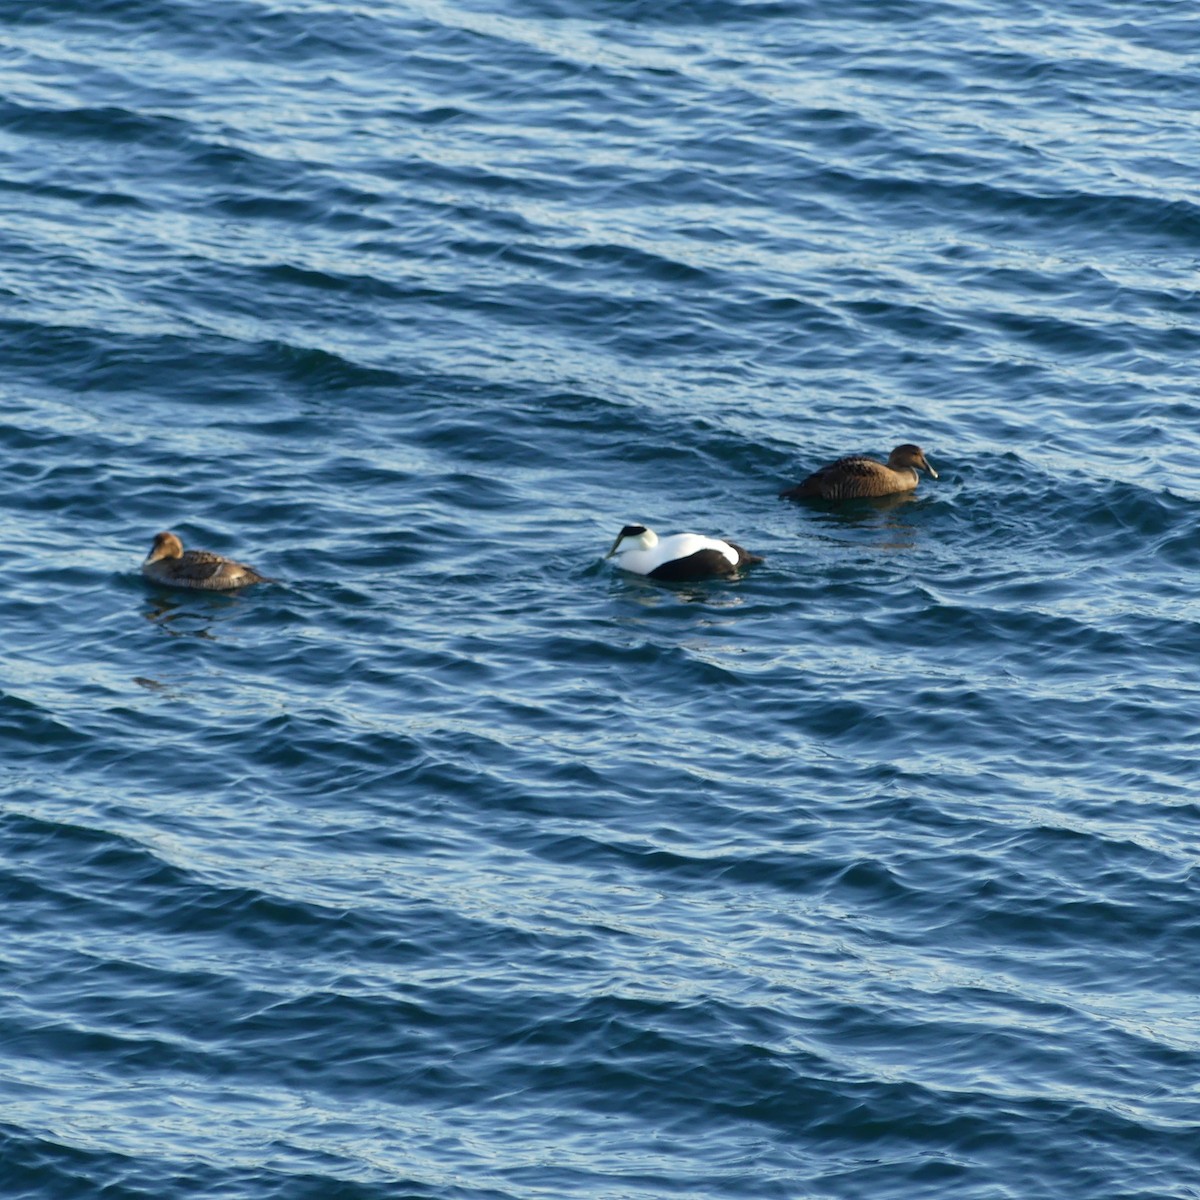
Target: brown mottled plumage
point(855, 477)
point(169, 563)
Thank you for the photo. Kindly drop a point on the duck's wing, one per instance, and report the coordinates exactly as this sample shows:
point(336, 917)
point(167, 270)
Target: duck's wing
point(196, 566)
point(203, 568)
point(700, 564)
point(841, 480)
point(744, 557)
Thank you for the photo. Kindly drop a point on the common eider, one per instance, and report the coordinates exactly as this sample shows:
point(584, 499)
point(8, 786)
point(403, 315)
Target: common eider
point(679, 556)
point(169, 563)
point(855, 477)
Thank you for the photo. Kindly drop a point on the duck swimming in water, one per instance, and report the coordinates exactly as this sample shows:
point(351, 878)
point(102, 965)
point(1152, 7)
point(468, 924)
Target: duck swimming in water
point(856, 477)
point(169, 563)
point(679, 556)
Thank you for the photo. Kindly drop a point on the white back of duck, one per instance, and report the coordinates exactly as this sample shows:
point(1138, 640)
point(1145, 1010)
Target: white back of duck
point(678, 556)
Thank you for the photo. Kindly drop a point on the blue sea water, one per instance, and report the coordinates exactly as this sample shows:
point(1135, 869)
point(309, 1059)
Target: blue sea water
point(458, 865)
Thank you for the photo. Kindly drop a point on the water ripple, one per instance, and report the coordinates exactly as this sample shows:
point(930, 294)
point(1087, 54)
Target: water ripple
point(457, 864)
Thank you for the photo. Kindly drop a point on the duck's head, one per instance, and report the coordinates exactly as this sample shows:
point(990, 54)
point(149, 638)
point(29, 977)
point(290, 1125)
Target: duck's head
point(166, 545)
point(645, 538)
point(912, 457)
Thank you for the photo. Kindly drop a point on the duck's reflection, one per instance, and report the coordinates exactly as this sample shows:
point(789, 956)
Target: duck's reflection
point(655, 592)
point(885, 522)
point(190, 617)
point(153, 685)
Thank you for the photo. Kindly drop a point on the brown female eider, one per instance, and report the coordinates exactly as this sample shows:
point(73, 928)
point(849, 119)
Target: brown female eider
point(169, 563)
point(856, 477)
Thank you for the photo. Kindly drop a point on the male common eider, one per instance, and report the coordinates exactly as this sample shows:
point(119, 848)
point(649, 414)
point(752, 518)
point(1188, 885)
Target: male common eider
point(680, 556)
point(169, 563)
point(855, 477)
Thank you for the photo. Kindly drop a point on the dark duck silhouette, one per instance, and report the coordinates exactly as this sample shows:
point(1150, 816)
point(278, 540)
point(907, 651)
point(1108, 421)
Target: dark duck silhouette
point(858, 477)
point(169, 563)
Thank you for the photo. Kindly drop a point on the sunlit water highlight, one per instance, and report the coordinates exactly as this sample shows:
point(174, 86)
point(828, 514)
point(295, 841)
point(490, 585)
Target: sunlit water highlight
point(458, 865)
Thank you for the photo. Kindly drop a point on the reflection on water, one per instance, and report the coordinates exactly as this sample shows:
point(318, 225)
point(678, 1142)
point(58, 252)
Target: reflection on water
point(189, 615)
point(155, 685)
point(652, 592)
point(858, 510)
point(887, 518)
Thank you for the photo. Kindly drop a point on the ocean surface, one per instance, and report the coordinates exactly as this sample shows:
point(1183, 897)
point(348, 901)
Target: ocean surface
point(457, 865)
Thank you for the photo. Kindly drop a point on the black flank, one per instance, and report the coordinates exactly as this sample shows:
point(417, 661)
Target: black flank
point(696, 566)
